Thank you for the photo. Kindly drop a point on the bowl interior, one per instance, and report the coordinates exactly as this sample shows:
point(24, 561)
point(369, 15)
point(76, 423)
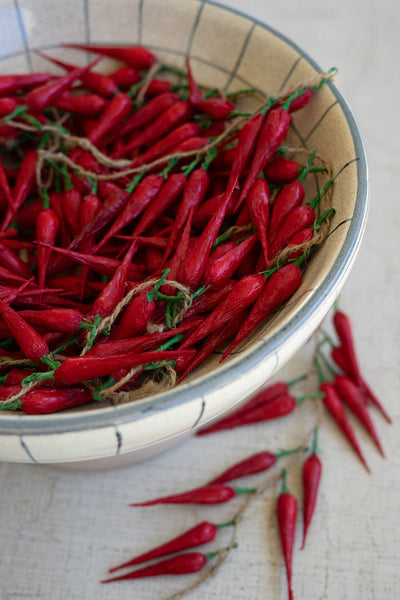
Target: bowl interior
point(230, 51)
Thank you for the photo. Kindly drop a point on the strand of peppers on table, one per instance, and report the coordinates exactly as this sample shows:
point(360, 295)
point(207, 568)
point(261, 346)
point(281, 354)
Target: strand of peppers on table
point(341, 387)
point(205, 233)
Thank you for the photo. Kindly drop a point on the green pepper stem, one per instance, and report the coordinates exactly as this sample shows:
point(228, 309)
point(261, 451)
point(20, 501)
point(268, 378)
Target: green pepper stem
point(326, 362)
point(287, 452)
point(244, 490)
point(226, 524)
point(301, 399)
point(315, 441)
point(284, 489)
point(297, 380)
point(318, 368)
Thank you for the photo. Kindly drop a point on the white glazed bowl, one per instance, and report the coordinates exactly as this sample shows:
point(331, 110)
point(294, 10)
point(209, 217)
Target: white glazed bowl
point(230, 51)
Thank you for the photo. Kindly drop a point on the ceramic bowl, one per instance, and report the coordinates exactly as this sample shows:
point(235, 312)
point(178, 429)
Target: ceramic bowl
point(230, 51)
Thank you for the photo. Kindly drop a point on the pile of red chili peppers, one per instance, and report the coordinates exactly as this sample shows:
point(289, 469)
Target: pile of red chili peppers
point(145, 222)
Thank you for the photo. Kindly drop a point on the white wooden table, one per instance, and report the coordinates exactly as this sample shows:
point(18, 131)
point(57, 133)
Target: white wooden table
point(61, 530)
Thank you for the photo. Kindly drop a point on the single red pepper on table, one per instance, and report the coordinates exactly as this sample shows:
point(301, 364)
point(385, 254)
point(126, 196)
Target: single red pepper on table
point(182, 564)
point(216, 493)
point(280, 388)
point(311, 475)
point(256, 463)
point(286, 511)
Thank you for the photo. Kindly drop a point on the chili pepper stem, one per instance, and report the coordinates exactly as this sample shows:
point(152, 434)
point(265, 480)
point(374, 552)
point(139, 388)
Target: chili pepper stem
point(315, 441)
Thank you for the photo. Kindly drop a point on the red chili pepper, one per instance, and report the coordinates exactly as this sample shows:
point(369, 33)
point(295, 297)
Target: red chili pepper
point(47, 225)
point(243, 294)
point(14, 83)
point(139, 344)
point(179, 256)
point(208, 494)
point(273, 132)
point(82, 368)
point(352, 397)
point(258, 203)
point(286, 513)
point(281, 286)
point(157, 86)
point(42, 96)
point(290, 197)
point(114, 291)
point(216, 108)
point(175, 115)
point(149, 112)
point(262, 398)
point(193, 194)
point(25, 181)
point(144, 193)
point(334, 406)
point(277, 407)
point(300, 101)
point(10, 260)
point(100, 264)
point(190, 144)
point(302, 237)
point(168, 194)
point(212, 343)
point(311, 474)
point(282, 170)
point(197, 256)
point(256, 463)
point(221, 268)
point(7, 105)
point(299, 218)
point(134, 56)
point(135, 318)
point(125, 77)
point(87, 105)
point(88, 210)
point(116, 110)
point(340, 360)
point(190, 562)
point(62, 320)
point(93, 81)
point(247, 142)
point(4, 186)
point(31, 343)
point(47, 400)
point(166, 145)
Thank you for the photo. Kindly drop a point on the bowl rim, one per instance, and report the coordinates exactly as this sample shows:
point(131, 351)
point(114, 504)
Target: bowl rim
point(95, 418)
